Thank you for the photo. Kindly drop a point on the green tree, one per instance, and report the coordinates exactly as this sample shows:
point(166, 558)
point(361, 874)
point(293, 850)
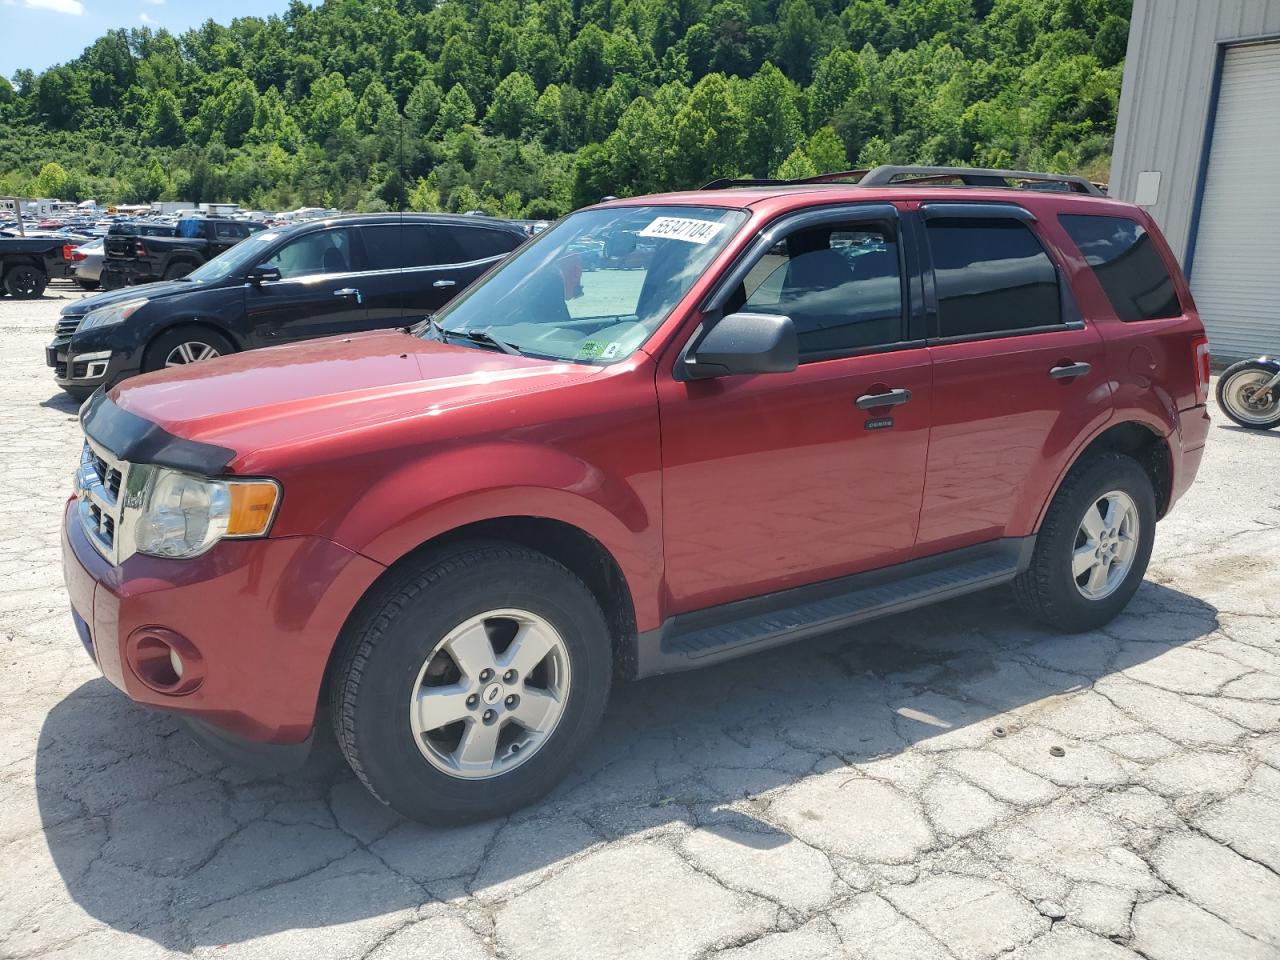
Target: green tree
point(423, 106)
point(456, 111)
point(52, 181)
point(164, 121)
point(797, 166)
point(514, 105)
point(708, 134)
point(826, 151)
point(773, 123)
point(798, 35)
point(839, 76)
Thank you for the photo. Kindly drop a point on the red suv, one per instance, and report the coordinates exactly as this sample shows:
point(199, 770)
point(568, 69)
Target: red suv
point(668, 431)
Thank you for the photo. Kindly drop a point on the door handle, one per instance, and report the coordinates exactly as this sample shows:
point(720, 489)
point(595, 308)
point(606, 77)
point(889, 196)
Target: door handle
point(1069, 371)
point(349, 292)
point(871, 401)
point(445, 283)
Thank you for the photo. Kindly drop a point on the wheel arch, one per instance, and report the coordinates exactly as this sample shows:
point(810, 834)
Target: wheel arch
point(576, 549)
point(1133, 438)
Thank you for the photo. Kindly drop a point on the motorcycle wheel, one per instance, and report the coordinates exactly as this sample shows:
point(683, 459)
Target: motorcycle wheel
point(1241, 398)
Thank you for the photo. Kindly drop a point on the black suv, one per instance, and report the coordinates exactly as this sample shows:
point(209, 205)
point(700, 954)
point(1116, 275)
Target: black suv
point(314, 279)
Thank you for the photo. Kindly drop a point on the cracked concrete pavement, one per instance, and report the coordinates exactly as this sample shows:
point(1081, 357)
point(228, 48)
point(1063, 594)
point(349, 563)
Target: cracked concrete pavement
point(881, 793)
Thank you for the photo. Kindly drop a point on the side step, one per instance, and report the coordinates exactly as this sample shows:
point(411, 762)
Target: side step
point(719, 633)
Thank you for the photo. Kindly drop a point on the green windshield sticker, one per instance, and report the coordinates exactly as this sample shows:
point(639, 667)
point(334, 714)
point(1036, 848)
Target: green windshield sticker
point(591, 349)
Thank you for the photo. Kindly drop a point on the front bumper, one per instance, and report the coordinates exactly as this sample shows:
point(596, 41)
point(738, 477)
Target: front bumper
point(263, 615)
point(85, 366)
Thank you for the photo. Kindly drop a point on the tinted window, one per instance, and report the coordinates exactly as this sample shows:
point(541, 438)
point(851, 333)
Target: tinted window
point(840, 286)
point(991, 276)
point(426, 245)
point(383, 248)
point(223, 230)
point(1127, 264)
point(478, 243)
point(326, 251)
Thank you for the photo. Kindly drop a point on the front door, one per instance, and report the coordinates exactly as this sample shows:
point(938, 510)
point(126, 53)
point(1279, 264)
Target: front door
point(777, 480)
point(1018, 376)
point(318, 293)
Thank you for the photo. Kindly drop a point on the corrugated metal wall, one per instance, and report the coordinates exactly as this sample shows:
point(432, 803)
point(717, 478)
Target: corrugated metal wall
point(1164, 104)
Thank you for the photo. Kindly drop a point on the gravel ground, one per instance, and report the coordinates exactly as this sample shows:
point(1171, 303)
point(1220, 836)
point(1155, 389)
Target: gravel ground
point(886, 792)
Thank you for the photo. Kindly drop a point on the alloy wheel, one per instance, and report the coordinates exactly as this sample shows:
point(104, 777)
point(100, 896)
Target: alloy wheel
point(1105, 545)
point(490, 694)
point(191, 352)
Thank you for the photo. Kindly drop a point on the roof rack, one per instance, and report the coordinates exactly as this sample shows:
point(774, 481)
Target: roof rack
point(888, 176)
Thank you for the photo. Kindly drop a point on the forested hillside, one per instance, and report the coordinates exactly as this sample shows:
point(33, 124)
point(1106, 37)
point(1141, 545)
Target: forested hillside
point(531, 108)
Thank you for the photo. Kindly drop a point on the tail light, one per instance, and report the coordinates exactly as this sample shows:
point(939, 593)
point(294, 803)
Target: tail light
point(140, 248)
point(1200, 353)
point(69, 253)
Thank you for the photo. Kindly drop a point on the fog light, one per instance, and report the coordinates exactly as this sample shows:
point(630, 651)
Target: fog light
point(164, 660)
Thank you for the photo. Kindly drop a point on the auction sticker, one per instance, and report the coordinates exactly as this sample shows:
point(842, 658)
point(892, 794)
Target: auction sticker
point(681, 228)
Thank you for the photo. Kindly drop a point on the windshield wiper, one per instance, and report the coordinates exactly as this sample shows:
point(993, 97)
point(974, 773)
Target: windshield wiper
point(482, 337)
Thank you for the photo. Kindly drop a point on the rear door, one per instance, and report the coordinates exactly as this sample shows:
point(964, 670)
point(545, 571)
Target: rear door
point(225, 234)
point(318, 293)
point(443, 259)
point(1018, 376)
point(382, 278)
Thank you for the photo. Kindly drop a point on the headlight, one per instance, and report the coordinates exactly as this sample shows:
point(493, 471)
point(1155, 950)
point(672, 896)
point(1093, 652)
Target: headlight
point(184, 515)
point(111, 315)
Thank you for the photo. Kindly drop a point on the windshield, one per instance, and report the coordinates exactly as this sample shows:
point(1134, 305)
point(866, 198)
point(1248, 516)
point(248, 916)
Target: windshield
point(595, 286)
point(238, 259)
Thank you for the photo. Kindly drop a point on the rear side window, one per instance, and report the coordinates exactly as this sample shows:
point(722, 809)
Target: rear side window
point(426, 245)
point(1127, 264)
point(992, 277)
point(478, 243)
point(230, 231)
point(383, 247)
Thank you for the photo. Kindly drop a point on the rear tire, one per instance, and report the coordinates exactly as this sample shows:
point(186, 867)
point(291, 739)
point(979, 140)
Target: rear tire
point(1237, 395)
point(176, 271)
point(400, 650)
point(25, 282)
point(88, 284)
point(1078, 581)
point(182, 345)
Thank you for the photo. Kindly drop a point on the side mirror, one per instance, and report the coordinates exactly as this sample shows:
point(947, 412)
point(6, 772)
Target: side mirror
point(264, 273)
point(745, 343)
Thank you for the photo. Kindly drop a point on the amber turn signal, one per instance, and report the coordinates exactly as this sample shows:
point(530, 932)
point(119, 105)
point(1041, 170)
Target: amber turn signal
point(253, 504)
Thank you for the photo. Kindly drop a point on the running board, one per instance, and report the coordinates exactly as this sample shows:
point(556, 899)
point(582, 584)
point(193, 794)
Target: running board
point(708, 636)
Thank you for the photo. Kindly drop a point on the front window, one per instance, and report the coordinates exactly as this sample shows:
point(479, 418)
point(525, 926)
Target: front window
point(595, 286)
point(241, 258)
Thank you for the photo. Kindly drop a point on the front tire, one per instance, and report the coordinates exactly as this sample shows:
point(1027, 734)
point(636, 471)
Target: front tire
point(1093, 547)
point(466, 687)
point(1239, 399)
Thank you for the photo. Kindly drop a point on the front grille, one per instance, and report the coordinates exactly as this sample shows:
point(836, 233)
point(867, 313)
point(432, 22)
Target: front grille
point(99, 482)
point(67, 326)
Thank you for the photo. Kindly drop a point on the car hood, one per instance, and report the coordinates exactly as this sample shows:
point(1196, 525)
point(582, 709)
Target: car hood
point(152, 291)
point(284, 396)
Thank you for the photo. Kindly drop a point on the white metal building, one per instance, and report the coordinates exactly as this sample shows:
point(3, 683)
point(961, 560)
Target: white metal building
point(1198, 144)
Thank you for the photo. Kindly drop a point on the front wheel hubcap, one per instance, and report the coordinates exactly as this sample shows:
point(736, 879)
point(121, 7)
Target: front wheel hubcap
point(490, 694)
point(1247, 401)
point(1106, 543)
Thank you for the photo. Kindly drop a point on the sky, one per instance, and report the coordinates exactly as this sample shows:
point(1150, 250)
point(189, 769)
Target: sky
point(39, 33)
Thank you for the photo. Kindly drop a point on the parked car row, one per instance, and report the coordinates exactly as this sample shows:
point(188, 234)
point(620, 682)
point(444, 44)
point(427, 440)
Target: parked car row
point(321, 277)
point(665, 432)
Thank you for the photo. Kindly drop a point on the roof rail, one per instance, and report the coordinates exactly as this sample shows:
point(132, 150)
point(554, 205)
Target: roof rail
point(885, 176)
